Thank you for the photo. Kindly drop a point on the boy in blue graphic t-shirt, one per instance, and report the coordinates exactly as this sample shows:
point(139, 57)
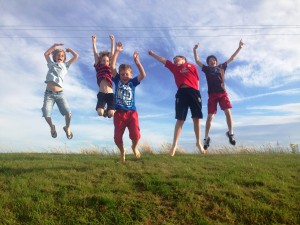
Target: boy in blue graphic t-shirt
point(126, 114)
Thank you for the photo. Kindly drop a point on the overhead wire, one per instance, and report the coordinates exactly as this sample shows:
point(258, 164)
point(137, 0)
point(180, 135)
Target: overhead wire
point(244, 30)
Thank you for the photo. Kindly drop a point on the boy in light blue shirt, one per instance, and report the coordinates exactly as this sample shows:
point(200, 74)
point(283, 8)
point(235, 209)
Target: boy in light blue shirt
point(58, 68)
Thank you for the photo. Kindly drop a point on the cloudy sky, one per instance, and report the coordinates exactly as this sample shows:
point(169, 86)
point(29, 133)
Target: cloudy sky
point(263, 82)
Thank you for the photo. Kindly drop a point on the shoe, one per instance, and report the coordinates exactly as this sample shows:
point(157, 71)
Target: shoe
point(231, 138)
point(206, 143)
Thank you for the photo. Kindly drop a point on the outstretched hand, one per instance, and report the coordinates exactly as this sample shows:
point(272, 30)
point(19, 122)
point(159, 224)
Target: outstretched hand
point(196, 46)
point(119, 46)
point(241, 44)
point(136, 56)
point(112, 37)
point(58, 44)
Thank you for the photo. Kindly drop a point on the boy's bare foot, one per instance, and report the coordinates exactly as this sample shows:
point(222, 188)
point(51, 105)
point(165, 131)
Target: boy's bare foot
point(136, 152)
point(201, 149)
point(172, 151)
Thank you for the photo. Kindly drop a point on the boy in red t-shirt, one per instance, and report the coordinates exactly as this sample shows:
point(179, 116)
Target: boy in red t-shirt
point(187, 96)
point(215, 76)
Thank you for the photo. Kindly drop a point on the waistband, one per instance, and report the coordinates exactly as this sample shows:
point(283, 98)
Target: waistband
point(53, 92)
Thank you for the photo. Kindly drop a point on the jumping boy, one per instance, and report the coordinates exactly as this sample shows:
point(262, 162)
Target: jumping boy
point(58, 68)
point(187, 96)
point(215, 76)
point(126, 114)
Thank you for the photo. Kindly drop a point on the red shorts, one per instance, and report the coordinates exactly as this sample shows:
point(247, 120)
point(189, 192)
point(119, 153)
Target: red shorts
point(123, 119)
point(214, 99)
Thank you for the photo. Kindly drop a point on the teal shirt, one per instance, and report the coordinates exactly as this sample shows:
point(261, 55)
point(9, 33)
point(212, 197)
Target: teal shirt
point(57, 72)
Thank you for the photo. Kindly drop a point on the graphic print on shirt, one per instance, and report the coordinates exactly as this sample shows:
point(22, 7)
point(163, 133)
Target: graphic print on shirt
point(124, 95)
point(215, 71)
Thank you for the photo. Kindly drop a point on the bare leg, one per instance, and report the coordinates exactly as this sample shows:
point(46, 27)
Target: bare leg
point(110, 113)
point(135, 150)
point(122, 151)
point(229, 120)
point(100, 111)
point(208, 124)
point(52, 127)
point(197, 130)
point(177, 131)
point(67, 127)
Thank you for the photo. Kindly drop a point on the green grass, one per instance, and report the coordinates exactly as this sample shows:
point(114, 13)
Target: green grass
point(157, 189)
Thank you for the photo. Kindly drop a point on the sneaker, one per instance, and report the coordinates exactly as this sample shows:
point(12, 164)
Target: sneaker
point(206, 143)
point(231, 138)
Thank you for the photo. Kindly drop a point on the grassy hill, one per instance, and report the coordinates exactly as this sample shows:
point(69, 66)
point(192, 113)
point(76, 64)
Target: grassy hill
point(157, 189)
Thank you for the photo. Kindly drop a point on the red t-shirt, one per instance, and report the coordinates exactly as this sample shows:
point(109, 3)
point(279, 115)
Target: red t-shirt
point(186, 73)
point(103, 72)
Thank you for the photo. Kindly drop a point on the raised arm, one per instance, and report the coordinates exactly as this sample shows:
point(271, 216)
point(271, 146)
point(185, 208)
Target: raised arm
point(197, 59)
point(157, 57)
point(112, 44)
point(75, 55)
point(236, 52)
point(119, 48)
point(50, 50)
point(94, 42)
point(142, 74)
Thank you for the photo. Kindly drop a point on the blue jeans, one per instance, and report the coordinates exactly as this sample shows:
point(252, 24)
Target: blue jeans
point(52, 97)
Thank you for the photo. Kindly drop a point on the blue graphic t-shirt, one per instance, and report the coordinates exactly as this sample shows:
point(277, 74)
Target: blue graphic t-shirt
point(125, 93)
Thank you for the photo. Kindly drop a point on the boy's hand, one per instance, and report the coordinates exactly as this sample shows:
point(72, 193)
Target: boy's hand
point(68, 50)
point(112, 37)
point(241, 44)
point(119, 46)
point(196, 46)
point(94, 38)
point(57, 44)
point(150, 52)
point(136, 56)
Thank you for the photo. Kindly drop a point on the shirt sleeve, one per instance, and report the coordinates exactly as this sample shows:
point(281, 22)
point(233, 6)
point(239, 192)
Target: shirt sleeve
point(68, 65)
point(135, 81)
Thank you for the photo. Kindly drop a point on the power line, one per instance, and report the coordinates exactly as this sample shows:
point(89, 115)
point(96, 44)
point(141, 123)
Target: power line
point(156, 37)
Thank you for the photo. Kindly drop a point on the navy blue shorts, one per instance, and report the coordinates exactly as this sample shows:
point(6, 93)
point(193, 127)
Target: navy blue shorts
point(105, 98)
point(188, 98)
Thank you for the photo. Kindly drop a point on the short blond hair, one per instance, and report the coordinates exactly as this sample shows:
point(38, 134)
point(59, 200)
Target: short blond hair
point(125, 67)
point(56, 51)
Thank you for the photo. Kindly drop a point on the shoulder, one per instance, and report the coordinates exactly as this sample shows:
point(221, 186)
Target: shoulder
point(169, 64)
point(223, 65)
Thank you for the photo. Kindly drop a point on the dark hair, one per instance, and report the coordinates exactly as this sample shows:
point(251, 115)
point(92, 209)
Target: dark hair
point(104, 53)
point(211, 56)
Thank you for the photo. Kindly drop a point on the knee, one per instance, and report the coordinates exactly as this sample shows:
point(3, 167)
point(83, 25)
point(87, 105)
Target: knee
point(210, 117)
point(68, 115)
point(100, 112)
point(111, 113)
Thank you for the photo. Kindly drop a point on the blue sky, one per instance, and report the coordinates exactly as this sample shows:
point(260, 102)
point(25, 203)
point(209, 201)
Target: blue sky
point(263, 82)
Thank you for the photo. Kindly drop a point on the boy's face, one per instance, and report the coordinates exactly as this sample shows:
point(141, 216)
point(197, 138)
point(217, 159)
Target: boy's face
point(125, 75)
point(178, 60)
point(105, 60)
point(60, 57)
point(212, 62)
